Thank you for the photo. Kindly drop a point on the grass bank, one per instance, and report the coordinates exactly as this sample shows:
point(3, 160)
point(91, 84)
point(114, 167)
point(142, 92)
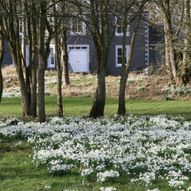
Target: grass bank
point(75, 106)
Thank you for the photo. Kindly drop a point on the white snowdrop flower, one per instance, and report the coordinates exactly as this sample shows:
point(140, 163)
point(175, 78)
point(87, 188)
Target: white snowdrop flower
point(87, 171)
point(155, 189)
point(108, 189)
point(176, 183)
point(102, 176)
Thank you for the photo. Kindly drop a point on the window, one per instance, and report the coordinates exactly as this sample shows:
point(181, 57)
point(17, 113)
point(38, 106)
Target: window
point(20, 26)
point(77, 27)
point(119, 55)
point(119, 27)
point(21, 20)
point(51, 59)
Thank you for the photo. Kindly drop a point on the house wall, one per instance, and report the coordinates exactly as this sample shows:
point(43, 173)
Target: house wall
point(7, 60)
point(139, 50)
point(85, 40)
point(138, 61)
point(156, 47)
point(143, 56)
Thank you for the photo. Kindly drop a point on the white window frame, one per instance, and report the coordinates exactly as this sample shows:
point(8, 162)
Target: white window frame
point(116, 54)
point(50, 65)
point(83, 32)
point(121, 33)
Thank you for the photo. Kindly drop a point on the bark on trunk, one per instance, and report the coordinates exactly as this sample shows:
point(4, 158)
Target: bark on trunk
point(124, 77)
point(33, 106)
point(64, 59)
point(1, 60)
point(24, 92)
point(33, 61)
point(167, 51)
point(59, 81)
point(170, 46)
point(24, 59)
point(43, 56)
point(186, 66)
point(41, 90)
point(97, 109)
point(122, 95)
point(1, 84)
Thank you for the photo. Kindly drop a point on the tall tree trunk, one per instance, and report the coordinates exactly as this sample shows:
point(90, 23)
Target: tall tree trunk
point(98, 106)
point(16, 54)
point(186, 66)
point(34, 61)
point(64, 59)
point(170, 45)
point(24, 53)
point(1, 82)
point(42, 63)
point(41, 90)
point(97, 109)
point(124, 77)
point(1, 60)
point(167, 50)
point(59, 80)
point(33, 43)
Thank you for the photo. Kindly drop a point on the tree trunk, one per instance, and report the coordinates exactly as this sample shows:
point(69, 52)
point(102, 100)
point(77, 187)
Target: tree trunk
point(98, 106)
point(24, 93)
point(97, 109)
point(186, 66)
point(1, 61)
point(33, 42)
point(64, 59)
point(44, 51)
point(167, 50)
point(59, 80)
point(33, 106)
point(41, 90)
point(124, 77)
point(24, 56)
point(122, 94)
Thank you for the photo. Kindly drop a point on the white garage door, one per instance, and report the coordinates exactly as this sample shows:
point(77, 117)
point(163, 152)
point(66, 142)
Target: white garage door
point(79, 58)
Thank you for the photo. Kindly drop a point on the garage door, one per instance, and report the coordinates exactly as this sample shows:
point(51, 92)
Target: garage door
point(79, 58)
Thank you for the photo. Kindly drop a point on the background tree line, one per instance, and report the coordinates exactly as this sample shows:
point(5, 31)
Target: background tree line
point(43, 21)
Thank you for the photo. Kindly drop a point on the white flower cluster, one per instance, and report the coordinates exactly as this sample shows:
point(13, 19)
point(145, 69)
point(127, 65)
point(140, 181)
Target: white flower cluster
point(102, 176)
point(108, 189)
point(173, 89)
point(144, 149)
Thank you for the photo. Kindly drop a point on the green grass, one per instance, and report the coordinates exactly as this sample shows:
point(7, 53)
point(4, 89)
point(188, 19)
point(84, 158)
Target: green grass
point(75, 106)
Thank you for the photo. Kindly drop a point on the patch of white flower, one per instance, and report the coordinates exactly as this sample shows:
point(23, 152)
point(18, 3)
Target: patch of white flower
point(155, 189)
point(144, 149)
point(102, 176)
point(108, 189)
point(173, 89)
point(12, 94)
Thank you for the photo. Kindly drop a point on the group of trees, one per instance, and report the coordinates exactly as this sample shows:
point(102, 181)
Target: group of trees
point(175, 18)
point(44, 21)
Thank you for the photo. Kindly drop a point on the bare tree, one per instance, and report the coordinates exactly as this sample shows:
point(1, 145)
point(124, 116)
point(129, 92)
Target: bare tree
point(10, 26)
point(186, 63)
point(129, 13)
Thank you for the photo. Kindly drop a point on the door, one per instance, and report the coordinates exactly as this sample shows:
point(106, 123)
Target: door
point(79, 58)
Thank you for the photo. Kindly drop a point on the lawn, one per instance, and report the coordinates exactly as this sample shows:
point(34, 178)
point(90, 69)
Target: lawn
point(18, 172)
point(75, 106)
